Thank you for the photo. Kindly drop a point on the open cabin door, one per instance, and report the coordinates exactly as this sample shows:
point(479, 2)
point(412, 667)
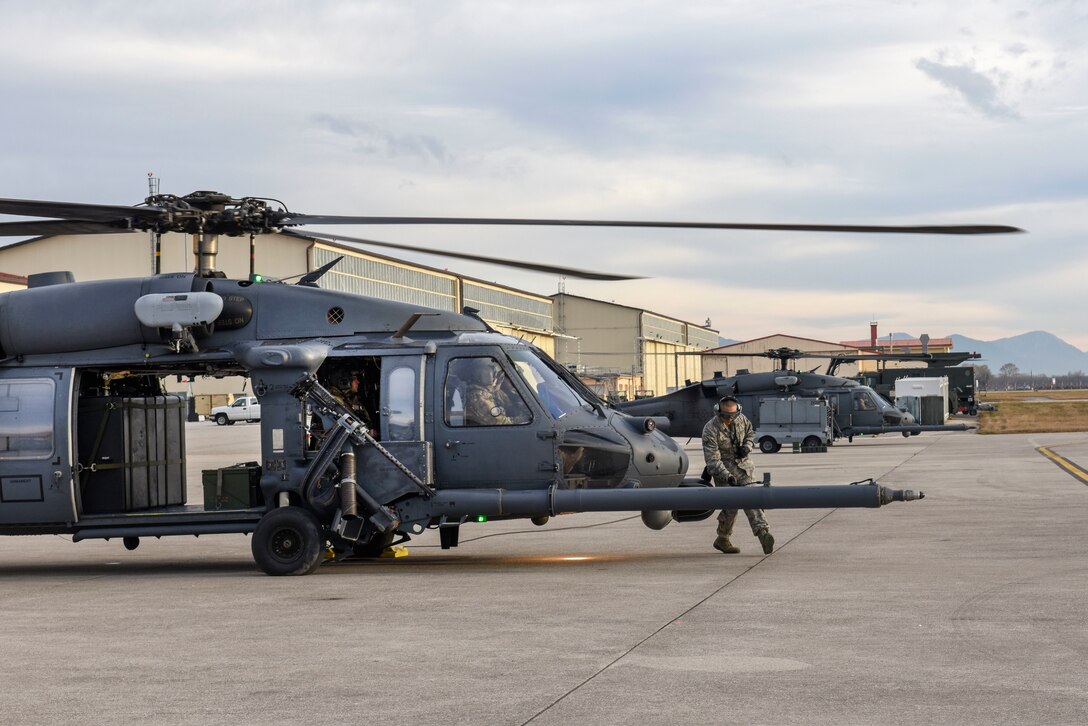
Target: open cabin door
point(399, 422)
point(401, 412)
point(35, 446)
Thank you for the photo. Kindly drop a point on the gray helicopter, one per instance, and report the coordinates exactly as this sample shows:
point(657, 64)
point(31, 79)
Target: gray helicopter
point(855, 409)
point(961, 379)
point(92, 447)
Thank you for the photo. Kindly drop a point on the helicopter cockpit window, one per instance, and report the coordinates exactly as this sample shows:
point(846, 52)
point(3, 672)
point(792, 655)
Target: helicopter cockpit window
point(558, 397)
point(26, 419)
point(862, 401)
point(881, 402)
point(479, 393)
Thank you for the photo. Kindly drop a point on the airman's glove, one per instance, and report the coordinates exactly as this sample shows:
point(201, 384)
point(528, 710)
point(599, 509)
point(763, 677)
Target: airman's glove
point(743, 451)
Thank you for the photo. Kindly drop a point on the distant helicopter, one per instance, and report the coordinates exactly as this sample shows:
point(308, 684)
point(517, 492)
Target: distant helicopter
point(79, 359)
point(856, 409)
point(961, 379)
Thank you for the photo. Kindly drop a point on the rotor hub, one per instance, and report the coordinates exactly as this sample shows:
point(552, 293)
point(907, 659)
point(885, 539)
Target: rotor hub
point(205, 212)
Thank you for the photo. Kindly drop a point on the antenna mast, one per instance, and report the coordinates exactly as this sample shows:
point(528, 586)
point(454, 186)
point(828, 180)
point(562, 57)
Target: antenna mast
point(156, 236)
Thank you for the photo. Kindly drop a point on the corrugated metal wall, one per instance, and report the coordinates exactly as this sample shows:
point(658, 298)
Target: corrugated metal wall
point(534, 314)
point(377, 278)
point(701, 338)
point(512, 312)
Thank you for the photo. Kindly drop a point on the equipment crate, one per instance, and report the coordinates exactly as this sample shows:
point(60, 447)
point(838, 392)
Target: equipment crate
point(233, 487)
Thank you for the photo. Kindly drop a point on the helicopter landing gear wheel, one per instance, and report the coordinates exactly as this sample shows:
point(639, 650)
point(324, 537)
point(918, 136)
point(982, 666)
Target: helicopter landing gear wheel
point(288, 541)
point(768, 445)
point(906, 434)
point(810, 442)
point(221, 419)
point(131, 543)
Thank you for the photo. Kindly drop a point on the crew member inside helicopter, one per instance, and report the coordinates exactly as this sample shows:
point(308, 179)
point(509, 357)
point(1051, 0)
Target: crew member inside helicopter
point(862, 402)
point(491, 399)
point(351, 396)
point(350, 388)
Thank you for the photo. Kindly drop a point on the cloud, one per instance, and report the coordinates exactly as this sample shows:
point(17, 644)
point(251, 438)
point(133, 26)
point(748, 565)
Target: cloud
point(633, 109)
point(370, 139)
point(977, 89)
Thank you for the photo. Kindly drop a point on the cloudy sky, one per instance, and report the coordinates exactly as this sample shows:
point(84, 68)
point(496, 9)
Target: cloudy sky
point(825, 112)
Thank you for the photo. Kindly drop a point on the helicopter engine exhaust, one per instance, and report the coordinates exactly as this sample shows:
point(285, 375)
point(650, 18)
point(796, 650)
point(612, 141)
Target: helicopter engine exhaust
point(347, 484)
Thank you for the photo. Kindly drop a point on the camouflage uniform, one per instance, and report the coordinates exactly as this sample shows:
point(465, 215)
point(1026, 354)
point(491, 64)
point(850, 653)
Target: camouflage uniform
point(720, 441)
point(483, 401)
point(353, 402)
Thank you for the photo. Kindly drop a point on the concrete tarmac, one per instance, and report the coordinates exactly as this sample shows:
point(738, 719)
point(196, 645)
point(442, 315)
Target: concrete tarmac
point(968, 607)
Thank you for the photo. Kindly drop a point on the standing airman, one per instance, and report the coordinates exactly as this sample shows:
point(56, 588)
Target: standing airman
point(728, 439)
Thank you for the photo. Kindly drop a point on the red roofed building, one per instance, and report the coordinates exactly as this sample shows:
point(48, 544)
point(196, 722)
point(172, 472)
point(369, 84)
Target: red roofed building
point(10, 282)
point(902, 345)
point(924, 344)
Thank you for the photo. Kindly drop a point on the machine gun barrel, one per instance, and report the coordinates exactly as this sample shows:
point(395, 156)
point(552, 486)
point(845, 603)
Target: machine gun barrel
point(349, 426)
point(552, 501)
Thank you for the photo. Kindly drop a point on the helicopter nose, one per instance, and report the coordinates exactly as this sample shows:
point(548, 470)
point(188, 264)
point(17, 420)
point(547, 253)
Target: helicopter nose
point(657, 455)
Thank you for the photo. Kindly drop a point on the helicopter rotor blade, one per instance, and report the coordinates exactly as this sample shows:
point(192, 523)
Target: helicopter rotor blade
point(134, 216)
point(960, 229)
point(59, 226)
point(74, 211)
point(552, 269)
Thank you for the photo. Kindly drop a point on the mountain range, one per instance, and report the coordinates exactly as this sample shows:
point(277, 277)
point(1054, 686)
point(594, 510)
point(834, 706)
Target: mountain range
point(1035, 352)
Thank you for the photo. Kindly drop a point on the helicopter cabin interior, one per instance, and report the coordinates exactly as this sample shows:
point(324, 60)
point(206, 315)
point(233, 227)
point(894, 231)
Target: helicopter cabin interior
point(129, 448)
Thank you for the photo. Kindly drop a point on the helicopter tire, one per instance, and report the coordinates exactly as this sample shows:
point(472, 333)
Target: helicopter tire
point(288, 541)
point(221, 419)
point(768, 445)
point(810, 442)
point(906, 434)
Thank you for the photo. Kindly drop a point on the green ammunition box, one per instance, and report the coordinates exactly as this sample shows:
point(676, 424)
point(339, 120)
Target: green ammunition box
point(233, 487)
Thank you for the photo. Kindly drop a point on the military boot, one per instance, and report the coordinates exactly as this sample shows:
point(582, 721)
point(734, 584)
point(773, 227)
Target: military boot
point(767, 540)
point(723, 545)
